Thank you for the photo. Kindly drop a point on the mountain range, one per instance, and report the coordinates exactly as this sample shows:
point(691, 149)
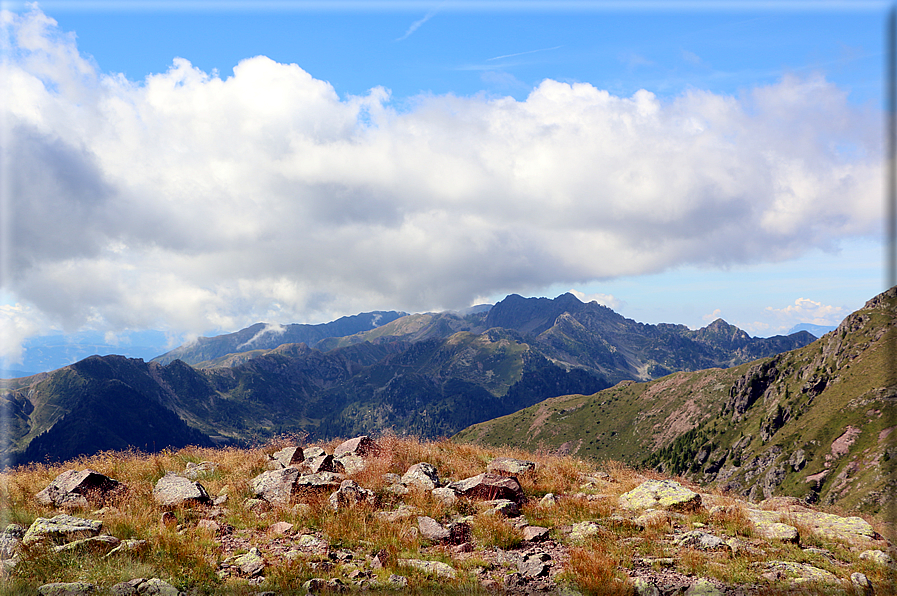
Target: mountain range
point(816, 422)
point(429, 374)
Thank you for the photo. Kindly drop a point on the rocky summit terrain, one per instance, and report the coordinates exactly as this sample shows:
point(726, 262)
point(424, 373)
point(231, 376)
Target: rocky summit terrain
point(401, 516)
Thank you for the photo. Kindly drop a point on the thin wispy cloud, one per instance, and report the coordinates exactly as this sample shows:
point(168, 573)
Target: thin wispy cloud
point(416, 25)
point(523, 53)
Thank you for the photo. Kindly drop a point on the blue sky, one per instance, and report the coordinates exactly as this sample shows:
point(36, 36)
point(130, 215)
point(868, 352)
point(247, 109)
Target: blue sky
point(677, 161)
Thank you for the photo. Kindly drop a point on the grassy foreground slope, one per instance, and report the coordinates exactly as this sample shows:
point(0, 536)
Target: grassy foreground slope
point(817, 422)
point(593, 544)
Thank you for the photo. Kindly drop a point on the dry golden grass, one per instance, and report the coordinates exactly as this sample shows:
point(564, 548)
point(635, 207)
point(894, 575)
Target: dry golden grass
point(189, 558)
point(596, 569)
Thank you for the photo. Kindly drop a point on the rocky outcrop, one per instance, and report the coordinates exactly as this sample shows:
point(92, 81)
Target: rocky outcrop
point(79, 489)
point(423, 475)
point(173, 490)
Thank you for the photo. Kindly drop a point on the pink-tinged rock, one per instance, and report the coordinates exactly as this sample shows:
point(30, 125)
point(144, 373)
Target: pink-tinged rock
point(363, 446)
point(208, 524)
point(431, 529)
point(280, 527)
point(535, 533)
point(488, 487)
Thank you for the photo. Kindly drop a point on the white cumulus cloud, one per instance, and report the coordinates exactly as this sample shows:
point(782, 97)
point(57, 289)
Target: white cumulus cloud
point(805, 310)
point(193, 202)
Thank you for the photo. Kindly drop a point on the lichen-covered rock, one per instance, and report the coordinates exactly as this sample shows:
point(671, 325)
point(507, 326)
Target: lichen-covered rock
point(79, 489)
point(584, 530)
point(701, 541)
point(508, 466)
point(878, 556)
point(97, 544)
point(422, 475)
point(250, 564)
point(173, 490)
point(362, 446)
point(489, 486)
point(664, 494)
point(798, 572)
point(62, 528)
point(432, 567)
point(66, 589)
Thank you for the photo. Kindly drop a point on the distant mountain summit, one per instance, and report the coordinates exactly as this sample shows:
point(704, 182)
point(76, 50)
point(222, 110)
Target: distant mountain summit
point(817, 330)
point(263, 336)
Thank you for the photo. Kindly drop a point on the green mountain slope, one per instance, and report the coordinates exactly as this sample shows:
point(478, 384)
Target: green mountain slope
point(816, 422)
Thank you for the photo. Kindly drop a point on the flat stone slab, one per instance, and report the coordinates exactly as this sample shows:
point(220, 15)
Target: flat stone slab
point(62, 528)
point(66, 589)
point(432, 567)
point(661, 494)
point(701, 540)
point(508, 466)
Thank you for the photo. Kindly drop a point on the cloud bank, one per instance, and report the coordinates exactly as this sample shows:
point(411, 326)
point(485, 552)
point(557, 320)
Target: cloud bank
point(193, 202)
